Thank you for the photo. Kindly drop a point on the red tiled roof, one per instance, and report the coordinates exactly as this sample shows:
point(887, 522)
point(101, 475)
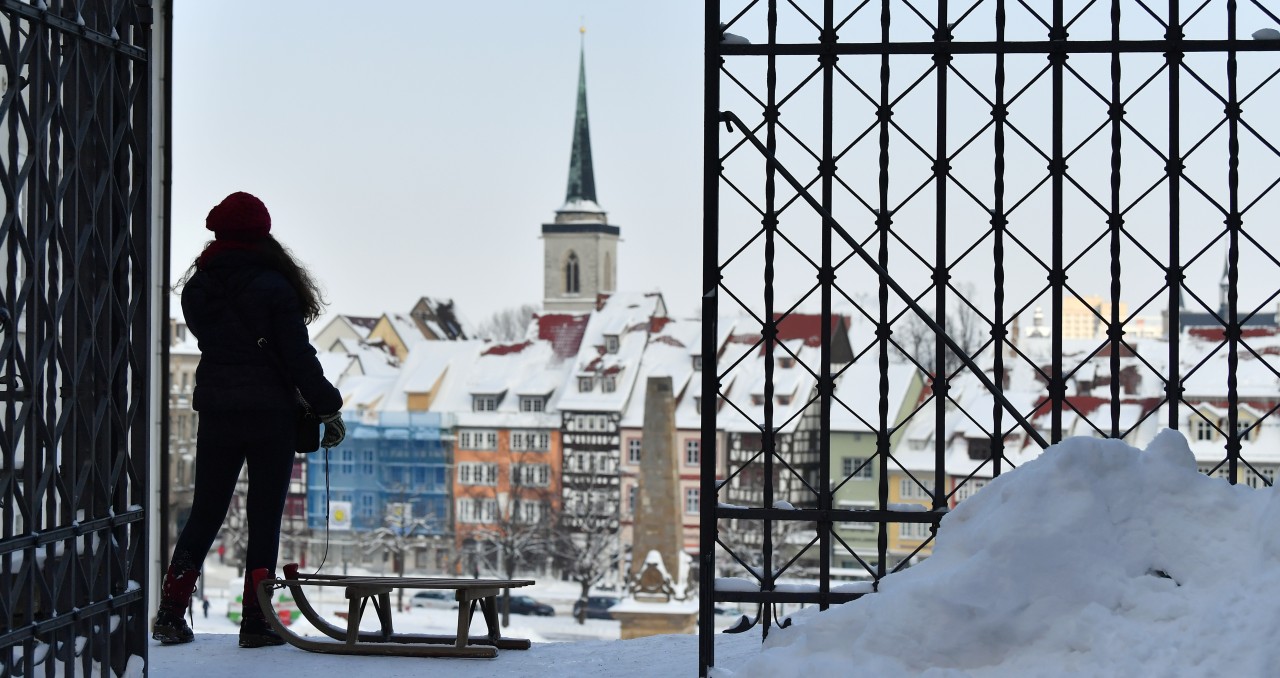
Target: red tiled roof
point(1217, 333)
point(563, 330)
point(505, 349)
point(805, 326)
point(361, 321)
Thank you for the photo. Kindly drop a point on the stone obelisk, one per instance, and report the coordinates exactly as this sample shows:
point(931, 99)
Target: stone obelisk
point(657, 604)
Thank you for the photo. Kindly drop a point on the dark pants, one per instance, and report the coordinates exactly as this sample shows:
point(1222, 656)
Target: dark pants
point(224, 442)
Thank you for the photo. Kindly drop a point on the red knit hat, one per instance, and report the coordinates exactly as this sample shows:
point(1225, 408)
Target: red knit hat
point(239, 216)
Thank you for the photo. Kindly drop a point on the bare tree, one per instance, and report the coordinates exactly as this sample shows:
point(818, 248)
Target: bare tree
point(745, 539)
point(963, 325)
point(516, 528)
point(586, 544)
point(400, 535)
point(508, 324)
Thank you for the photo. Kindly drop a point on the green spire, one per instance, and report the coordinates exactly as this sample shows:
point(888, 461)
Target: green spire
point(582, 180)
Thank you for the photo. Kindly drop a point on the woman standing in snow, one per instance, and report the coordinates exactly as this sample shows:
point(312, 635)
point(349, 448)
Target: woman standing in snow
point(248, 303)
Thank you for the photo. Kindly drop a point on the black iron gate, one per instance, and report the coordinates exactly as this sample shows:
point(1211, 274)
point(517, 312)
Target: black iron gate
point(940, 176)
point(75, 336)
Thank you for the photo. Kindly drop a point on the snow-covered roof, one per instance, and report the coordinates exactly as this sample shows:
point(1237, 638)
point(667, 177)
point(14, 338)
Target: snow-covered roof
point(530, 368)
point(628, 316)
point(669, 353)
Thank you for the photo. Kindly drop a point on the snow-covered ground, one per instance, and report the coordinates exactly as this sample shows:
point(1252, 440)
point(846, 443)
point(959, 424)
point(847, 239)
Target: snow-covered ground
point(561, 646)
point(1095, 559)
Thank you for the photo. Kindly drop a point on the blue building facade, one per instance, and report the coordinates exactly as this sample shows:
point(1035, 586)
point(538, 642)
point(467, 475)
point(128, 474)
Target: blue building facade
point(404, 458)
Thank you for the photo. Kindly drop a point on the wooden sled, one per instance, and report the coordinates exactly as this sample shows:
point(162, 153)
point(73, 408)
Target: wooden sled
point(363, 591)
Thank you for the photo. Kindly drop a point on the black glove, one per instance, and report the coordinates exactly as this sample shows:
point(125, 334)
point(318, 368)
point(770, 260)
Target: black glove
point(334, 430)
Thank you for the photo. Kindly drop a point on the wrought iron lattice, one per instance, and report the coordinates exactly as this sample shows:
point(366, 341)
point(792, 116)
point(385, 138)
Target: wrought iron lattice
point(937, 177)
point(74, 336)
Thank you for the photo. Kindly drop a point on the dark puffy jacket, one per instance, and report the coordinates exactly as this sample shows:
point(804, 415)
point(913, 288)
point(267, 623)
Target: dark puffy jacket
point(235, 373)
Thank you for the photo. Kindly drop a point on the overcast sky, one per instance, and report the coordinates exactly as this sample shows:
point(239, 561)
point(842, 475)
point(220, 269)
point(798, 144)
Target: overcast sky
point(410, 148)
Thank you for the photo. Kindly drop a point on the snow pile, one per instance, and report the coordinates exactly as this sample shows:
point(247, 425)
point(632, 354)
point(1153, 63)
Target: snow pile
point(1096, 559)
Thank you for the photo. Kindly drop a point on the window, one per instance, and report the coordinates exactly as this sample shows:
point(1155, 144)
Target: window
point(692, 452)
point(478, 440)
point(609, 383)
point(918, 531)
point(697, 404)
point(631, 500)
point(1242, 427)
point(367, 467)
point(633, 450)
point(786, 362)
point(848, 466)
point(584, 384)
point(910, 489)
point(530, 512)
point(784, 399)
point(969, 488)
point(1204, 430)
point(536, 441)
point(571, 274)
point(477, 510)
point(477, 473)
point(691, 501)
point(485, 403)
point(979, 448)
point(532, 403)
point(366, 505)
point(611, 343)
point(531, 475)
point(697, 363)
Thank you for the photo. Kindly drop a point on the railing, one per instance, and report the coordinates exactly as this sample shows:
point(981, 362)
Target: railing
point(930, 182)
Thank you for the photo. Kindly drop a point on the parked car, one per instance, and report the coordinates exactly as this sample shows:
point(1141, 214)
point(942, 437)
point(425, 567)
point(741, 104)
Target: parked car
point(432, 598)
point(527, 605)
point(597, 607)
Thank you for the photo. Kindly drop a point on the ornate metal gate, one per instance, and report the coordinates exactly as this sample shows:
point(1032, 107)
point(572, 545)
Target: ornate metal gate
point(937, 175)
point(75, 336)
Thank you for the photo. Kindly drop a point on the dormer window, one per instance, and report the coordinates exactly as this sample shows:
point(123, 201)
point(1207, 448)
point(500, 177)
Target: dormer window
point(584, 384)
point(1202, 428)
point(533, 403)
point(784, 399)
point(485, 403)
point(757, 399)
point(786, 362)
point(608, 383)
point(1243, 425)
point(697, 363)
point(697, 404)
point(610, 343)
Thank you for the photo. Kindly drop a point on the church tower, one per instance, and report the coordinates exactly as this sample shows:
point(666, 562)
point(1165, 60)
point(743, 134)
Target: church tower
point(580, 248)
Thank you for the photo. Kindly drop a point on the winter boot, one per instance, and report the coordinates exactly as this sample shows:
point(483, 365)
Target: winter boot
point(175, 594)
point(255, 631)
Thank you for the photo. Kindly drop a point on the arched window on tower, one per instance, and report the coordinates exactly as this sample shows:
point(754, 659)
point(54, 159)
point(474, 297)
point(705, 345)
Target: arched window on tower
point(571, 275)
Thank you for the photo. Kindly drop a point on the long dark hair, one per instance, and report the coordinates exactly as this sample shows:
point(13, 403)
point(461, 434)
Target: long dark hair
point(275, 256)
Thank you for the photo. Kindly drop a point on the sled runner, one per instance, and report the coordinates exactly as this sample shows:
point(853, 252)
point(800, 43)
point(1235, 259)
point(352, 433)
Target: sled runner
point(363, 591)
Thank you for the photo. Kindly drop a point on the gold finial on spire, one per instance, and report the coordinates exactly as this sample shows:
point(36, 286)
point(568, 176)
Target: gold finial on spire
point(582, 25)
